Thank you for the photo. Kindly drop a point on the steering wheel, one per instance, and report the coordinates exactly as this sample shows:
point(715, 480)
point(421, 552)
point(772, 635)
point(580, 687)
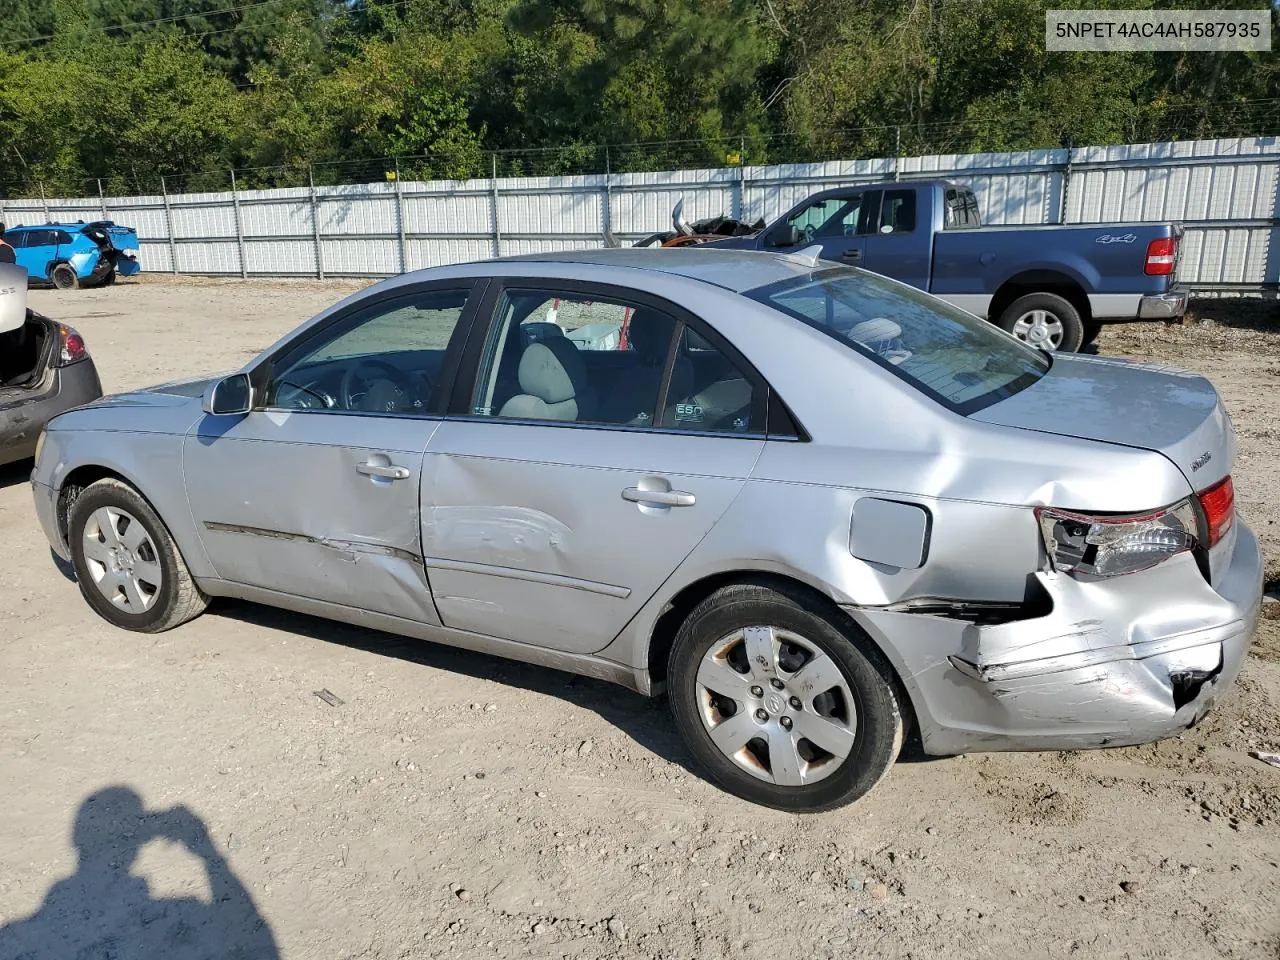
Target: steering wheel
point(388, 388)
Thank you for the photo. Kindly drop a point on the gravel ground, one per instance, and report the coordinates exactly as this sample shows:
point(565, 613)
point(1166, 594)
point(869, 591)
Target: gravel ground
point(191, 788)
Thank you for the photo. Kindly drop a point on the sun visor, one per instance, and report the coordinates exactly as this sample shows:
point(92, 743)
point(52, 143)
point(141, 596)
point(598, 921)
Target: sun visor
point(13, 297)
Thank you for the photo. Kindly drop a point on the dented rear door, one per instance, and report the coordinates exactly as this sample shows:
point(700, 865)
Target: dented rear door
point(540, 533)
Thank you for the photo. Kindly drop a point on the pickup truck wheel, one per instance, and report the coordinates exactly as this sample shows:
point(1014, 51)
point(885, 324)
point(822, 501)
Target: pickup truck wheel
point(63, 276)
point(1091, 331)
point(1044, 320)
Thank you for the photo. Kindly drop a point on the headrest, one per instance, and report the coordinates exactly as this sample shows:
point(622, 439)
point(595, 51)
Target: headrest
point(532, 331)
point(551, 370)
point(649, 333)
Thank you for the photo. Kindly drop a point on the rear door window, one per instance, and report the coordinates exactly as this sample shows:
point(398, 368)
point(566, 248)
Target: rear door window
point(709, 393)
point(573, 357)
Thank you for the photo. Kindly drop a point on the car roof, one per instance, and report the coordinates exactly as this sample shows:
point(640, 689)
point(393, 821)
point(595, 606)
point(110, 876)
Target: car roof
point(735, 270)
point(44, 226)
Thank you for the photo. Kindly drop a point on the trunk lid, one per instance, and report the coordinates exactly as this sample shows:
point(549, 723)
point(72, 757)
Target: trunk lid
point(1147, 406)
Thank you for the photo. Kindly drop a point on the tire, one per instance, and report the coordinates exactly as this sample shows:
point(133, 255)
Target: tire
point(106, 512)
point(857, 712)
point(110, 278)
point(1044, 320)
point(63, 276)
point(1091, 331)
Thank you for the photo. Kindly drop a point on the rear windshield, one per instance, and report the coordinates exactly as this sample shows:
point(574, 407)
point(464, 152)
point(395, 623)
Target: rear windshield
point(960, 361)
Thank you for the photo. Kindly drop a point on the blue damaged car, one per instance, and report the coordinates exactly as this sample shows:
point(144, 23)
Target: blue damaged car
point(71, 255)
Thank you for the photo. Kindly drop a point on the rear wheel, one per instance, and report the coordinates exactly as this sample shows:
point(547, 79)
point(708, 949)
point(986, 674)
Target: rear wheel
point(782, 701)
point(127, 565)
point(1044, 320)
point(64, 277)
point(110, 278)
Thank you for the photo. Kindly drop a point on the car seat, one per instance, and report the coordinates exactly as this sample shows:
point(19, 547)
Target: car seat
point(553, 381)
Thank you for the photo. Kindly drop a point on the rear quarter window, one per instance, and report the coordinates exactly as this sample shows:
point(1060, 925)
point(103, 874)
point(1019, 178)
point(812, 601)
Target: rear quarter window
point(960, 361)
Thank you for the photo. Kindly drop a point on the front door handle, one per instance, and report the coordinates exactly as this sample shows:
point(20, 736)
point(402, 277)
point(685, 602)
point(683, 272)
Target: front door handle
point(665, 498)
point(389, 471)
point(854, 255)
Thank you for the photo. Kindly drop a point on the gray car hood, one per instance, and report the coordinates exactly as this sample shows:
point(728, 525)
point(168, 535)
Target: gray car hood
point(187, 387)
point(1148, 406)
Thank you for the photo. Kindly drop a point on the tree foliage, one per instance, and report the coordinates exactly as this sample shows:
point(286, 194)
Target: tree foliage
point(128, 91)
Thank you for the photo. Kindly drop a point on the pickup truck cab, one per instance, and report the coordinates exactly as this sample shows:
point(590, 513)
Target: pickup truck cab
point(1052, 286)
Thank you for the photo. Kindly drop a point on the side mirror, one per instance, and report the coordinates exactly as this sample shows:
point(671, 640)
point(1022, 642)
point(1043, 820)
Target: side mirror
point(787, 236)
point(230, 395)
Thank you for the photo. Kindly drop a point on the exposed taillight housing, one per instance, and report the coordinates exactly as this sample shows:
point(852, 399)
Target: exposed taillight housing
point(1094, 547)
point(1162, 255)
point(71, 348)
point(1219, 505)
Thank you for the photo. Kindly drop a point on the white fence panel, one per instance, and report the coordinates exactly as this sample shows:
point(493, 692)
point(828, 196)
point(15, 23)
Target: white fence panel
point(1224, 192)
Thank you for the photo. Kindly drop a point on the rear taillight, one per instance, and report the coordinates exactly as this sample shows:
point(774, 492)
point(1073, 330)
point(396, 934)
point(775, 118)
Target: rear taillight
point(1219, 505)
point(1092, 547)
point(71, 349)
point(1161, 256)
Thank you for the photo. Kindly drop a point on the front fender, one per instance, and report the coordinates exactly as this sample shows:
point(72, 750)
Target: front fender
point(151, 463)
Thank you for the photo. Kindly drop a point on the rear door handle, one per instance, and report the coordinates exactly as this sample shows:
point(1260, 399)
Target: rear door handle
point(851, 255)
point(666, 498)
point(388, 471)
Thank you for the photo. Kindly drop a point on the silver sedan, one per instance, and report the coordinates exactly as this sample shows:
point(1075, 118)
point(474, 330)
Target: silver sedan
point(816, 507)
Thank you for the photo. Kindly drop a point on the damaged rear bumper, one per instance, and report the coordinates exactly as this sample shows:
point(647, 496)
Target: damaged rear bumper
point(1116, 662)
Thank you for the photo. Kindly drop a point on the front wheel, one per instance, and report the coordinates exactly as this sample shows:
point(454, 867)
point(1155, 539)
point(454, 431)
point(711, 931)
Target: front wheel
point(127, 565)
point(782, 701)
point(1044, 320)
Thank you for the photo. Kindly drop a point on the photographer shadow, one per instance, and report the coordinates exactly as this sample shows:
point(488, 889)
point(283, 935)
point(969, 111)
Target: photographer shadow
point(103, 910)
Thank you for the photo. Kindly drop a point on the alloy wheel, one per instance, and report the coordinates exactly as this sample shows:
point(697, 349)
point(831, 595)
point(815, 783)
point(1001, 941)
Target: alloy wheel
point(776, 705)
point(122, 559)
point(1040, 328)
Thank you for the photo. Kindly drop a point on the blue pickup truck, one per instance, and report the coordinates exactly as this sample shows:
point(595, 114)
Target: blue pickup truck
point(70, 255)
point(1052, 286)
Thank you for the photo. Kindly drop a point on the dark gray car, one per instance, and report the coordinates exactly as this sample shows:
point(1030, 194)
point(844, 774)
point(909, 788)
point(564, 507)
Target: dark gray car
point(45, 369)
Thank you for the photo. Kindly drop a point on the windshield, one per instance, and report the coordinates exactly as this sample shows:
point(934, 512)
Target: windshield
point(961, 361)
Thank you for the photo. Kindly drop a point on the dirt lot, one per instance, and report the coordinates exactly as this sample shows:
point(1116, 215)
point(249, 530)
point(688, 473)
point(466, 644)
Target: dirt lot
point(456, 805)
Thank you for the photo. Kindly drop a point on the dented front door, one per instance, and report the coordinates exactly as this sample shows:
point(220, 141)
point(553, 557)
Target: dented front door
point(317, 504)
